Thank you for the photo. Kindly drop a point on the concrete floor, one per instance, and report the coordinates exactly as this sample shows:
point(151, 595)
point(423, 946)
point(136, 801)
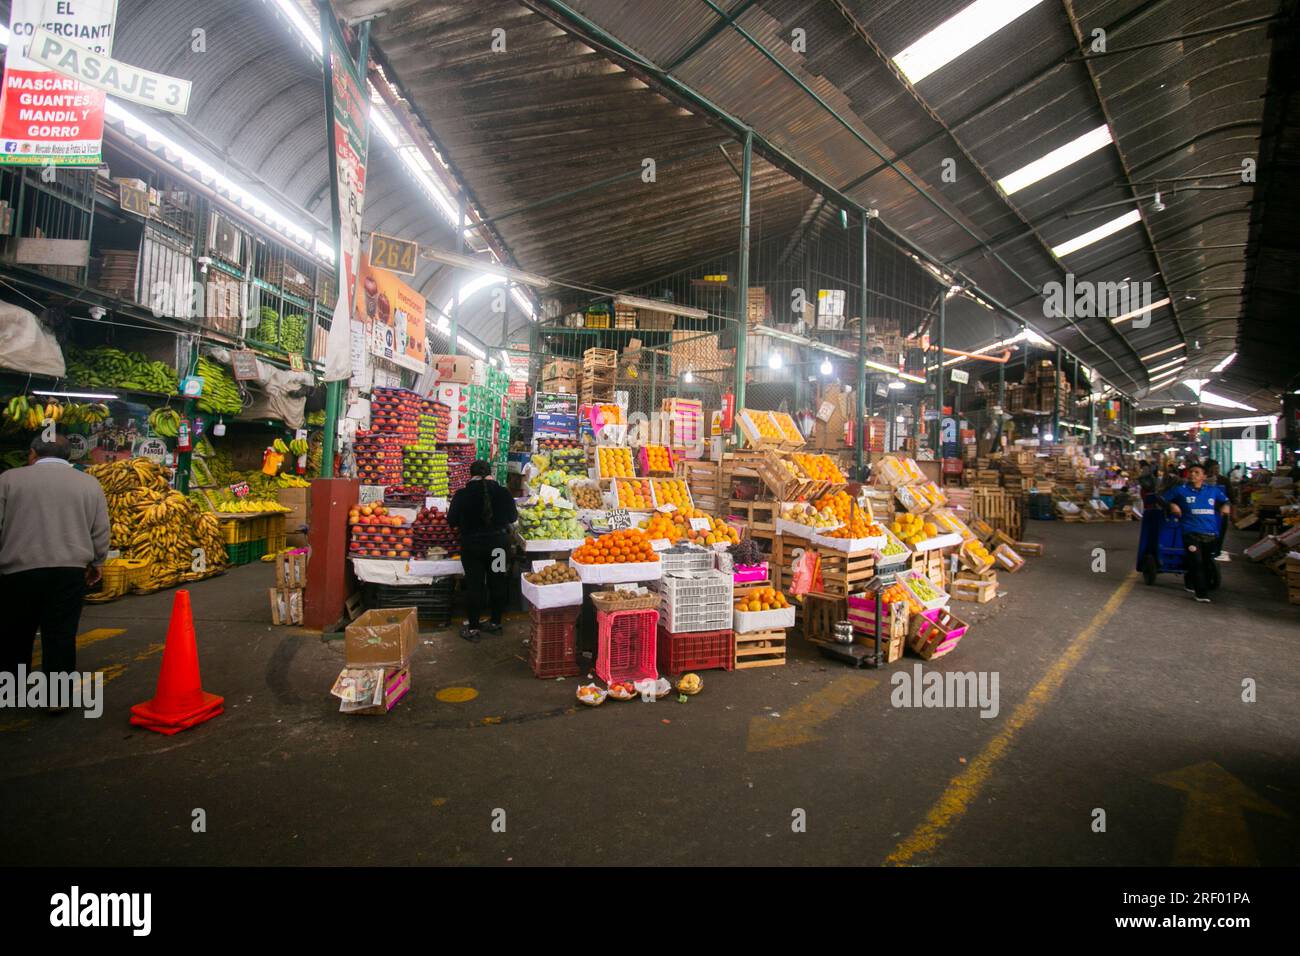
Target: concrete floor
point(1113, 696)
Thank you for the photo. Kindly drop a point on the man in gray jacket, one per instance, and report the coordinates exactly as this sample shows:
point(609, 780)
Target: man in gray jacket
point(53, 543)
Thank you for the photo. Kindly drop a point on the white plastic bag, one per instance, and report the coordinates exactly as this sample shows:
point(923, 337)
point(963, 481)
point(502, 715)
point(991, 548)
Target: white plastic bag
point(25, 344)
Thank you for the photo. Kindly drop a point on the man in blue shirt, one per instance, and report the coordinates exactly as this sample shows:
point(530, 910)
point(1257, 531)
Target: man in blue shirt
point(1198, 505)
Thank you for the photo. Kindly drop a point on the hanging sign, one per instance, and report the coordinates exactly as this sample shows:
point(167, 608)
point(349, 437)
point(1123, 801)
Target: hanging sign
point(133, 199)
point(959, 376)
point(124, 81)
point(395, 313)
point(395, 255)
point(47, 118)
point(243, 365)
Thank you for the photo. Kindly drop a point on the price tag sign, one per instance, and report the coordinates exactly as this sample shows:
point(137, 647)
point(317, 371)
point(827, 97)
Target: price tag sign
point(959, 376)
point(370, 494)
point(667, 508)
point(191, 386)
point(439, 503)
point(661, 544)
point(825, 412)
point(243, 364)
point(539, 565)
point(620, 520)
point(627, 587)
point(239, 489)
point(295, 363)
point(701, 524)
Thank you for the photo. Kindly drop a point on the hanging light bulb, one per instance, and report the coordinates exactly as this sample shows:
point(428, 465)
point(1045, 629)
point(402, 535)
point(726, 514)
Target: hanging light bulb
point(826, 366)
point(688, 377)
point(774, 360)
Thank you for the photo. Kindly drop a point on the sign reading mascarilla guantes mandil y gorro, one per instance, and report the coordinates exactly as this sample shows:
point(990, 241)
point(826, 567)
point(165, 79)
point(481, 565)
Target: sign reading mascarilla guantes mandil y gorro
point(119, 79)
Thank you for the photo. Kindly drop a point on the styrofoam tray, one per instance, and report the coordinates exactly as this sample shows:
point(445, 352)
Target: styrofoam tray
point(745, 622)
point(567, 594)
point(618, 573)
point(940, 541)
point(794, 528)
point(849, 545)
point(548, 544)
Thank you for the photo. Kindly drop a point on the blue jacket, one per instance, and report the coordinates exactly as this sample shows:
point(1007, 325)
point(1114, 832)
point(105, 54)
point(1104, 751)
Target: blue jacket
point(1200, 508)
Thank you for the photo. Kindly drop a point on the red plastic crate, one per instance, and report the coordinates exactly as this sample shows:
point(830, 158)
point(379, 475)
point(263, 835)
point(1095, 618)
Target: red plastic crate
point(695, 651)
point(553, 645)
point(627, 644)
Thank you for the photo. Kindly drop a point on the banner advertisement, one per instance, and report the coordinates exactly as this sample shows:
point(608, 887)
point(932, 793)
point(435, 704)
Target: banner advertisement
point(47, 118)
point(349, 127)
point(395, 313)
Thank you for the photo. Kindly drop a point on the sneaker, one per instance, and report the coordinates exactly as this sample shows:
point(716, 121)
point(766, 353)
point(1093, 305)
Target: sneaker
point(1222, 556)
point(492, 627)
point(1202, 600)
point(469, 633)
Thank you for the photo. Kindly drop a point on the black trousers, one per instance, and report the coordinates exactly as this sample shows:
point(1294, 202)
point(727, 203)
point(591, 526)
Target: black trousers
point(45, 598)
point(483, 584)
point(1198, 560)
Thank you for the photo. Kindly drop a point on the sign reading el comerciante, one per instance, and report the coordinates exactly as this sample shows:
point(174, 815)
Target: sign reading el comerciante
point(112, 76)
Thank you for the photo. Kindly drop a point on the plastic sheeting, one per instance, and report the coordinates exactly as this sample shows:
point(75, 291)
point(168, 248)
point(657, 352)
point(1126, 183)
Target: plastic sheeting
point(26, 345)
point(276, 392)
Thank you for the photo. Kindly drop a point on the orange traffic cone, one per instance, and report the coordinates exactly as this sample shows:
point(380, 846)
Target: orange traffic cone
point(180, 702)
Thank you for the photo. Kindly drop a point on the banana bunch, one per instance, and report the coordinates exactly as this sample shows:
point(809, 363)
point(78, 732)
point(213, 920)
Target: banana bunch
point(293, 334)
point(316, 417)
point(152, 522)
point(279, 446)
point(268, 323)
point(298, 447)
point(165, 422)
point(29, 414)
point(220, 393)
point(246, 507)
point(292, 481)
point(77, 414)
point(109, 366)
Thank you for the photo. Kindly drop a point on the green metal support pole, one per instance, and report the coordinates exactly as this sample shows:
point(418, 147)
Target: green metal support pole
point(742, 294)
point(938, 385)
point(184, 458)
point(1056, 401)
point(334, 390)
point(861, 437)
point(454, 332)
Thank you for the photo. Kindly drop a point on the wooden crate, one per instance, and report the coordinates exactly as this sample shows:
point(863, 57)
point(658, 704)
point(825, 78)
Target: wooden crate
point(999, 507)
point(760, 516)
point(738, 464)
point(759, 649)
point(932, 565)
point(600, 360)
point(702, 478)
point(782, 486)
point(980, 592)
point(821, 612)
point(932, 635)
point(845, 573)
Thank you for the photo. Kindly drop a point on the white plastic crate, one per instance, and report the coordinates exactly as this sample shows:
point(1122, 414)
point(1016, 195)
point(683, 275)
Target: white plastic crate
point(695, 561)
point(681, 619)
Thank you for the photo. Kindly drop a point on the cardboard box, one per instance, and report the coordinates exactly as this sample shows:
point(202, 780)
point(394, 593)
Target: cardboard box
point(461, 369)
point(298, 501)
point(291, 570)
point(382, 638)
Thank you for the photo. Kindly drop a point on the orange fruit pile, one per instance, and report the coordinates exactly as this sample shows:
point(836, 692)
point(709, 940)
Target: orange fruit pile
point(657, 458)
point(615, 463)
point(789, 430)
point(820, 468)
point(763, 422)
point(634, 494)
point(896, 593)
point(762, 599)
point(664, 526)
point(671, 491)
point(618, 547)
point(857, 527)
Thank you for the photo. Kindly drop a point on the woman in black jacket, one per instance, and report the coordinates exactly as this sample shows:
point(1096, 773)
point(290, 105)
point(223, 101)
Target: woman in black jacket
point(482, 512)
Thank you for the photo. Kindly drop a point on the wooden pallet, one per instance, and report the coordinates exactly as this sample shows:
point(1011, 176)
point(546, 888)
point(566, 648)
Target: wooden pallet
point(759, 649)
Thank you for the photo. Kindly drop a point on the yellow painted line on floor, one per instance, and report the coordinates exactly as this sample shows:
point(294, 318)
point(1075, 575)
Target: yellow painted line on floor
point(798, 725)
point(1213, 831)
point(963, 788)
point(456, 695)
point(84, 640)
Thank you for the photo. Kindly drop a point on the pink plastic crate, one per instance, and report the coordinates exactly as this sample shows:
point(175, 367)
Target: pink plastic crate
point(626, 648)
point(935, 633)
point(749, 573)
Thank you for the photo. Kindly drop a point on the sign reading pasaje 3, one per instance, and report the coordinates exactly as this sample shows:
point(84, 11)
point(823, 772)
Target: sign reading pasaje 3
point(112, 76)
point(46, 118)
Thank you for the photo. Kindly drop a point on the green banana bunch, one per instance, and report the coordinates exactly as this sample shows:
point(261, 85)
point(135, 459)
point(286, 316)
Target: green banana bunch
point(298, 447)
point(316, 417)
point(220, 393)
point(280, 446)
point(293, 334)
point(107, 366)
point(16, 410)
point(268, 321)
point(165, 422)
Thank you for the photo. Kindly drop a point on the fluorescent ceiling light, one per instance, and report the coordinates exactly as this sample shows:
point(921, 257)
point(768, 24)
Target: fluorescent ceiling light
point(1214, 398)
point(1096, 235)
point(103, 396)
point(1217, 423)
point(1159, 303)
point(293, 14)
point(654, 305)
point(1178, 361)
point(896, 384)
point(880, 367)
point(1056, 160)
point(1172, 348)
point(493, 269)
point(958, 34)
point(1224, 364)
point(471, 348)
